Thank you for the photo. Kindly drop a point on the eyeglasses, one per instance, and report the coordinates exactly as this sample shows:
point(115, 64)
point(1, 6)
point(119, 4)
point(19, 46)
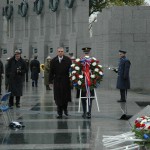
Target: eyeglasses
point(60, 51)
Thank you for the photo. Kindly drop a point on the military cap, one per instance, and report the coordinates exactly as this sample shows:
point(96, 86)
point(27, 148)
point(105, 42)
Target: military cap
point(17, 51)
point(8, 58)
point(86, 49)
point(48, 57)
point(70, 54)
point(121, 51)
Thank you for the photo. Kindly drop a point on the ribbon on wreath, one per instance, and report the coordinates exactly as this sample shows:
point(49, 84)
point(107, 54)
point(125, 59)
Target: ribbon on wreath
point(86, 71)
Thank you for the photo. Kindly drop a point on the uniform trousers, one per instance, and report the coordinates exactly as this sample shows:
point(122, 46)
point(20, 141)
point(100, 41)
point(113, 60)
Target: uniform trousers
point(123, 94)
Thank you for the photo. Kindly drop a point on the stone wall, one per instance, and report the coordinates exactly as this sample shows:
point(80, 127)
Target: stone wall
point(126, 28)
point(67, 27)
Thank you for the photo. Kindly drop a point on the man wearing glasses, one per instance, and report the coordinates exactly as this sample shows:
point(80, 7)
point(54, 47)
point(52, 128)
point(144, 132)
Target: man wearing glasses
point(59, 77)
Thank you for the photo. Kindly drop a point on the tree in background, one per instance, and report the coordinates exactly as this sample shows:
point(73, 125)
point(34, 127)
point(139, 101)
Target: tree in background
point(98, 5)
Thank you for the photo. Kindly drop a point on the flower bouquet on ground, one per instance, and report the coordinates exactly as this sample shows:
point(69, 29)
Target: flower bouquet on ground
point(86, 73)
point(142, 130)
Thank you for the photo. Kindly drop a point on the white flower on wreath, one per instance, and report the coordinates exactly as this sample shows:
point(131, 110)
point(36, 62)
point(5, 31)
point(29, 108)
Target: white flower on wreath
point(100, 66)
point(96, 69)
point(143, 121)
point(72, 65)
point(80, 76)
point(147, 126)
point(77, 60)
point(93, 76)
point(79, 82)
point(94, 58)
point(101, 73)
point(73, 72)
point(94, 64)
point(73, 77)
point(77, 68)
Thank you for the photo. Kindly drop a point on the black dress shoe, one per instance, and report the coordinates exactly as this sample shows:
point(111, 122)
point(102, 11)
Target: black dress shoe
point(18, 105)
point(84, 115)
point(121, 101)
point(66, 114)
point(88, 115)
point(59, 117)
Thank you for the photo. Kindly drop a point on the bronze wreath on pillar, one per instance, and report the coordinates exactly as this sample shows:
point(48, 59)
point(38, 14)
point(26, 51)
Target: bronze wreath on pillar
point(8, 11)
point(53, 5)
point(23, 9)
point(38, 6)
point(69, 3)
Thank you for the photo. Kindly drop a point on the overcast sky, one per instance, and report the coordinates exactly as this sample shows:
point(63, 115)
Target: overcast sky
point(148, 1)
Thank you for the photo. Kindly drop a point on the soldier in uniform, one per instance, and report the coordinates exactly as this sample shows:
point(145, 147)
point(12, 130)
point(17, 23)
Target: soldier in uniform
point(123, 80)
point(86, 114)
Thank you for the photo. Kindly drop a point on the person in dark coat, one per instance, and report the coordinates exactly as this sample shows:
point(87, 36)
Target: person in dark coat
point(35, 70)
point(123, 80)
point(27, 65)
point(15, 71)
point(1, 75)
point(59, 76)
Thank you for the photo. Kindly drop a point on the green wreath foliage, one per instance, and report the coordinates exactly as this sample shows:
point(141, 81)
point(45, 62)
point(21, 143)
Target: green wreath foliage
point(38, 6)
point(8, 11)
point(53, 5)
point(69, 3)
point(23, 8)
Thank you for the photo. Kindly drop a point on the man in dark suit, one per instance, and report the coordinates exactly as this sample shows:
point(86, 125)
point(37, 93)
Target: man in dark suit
point(59, 77)
point(123, 80)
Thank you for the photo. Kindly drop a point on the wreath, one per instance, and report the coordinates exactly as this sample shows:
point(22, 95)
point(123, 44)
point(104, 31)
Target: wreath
point(23, 8)
point(8, 11)
point(69, 3)
point(53, 5)
point(38, 6)
point(86, 73)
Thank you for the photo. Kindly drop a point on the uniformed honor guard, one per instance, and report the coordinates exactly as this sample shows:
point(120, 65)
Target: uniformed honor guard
point(123, 80)
point(86, 113)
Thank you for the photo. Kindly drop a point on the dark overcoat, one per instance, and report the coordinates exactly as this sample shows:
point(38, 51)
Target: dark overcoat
point(15, 80)
point(59, 76)
point(35, 69)
point(123, 80)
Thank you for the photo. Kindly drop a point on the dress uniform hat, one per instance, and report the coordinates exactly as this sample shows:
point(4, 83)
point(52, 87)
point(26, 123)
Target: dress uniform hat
point(86, 49)
point(17, 51)
point(48, 57)
point(121, 51)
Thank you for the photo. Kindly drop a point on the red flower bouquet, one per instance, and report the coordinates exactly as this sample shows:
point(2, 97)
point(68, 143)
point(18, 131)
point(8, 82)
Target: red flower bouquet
point(142, 130)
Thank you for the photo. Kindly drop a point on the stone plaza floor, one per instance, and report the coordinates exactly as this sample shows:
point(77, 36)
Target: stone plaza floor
point(43, 131)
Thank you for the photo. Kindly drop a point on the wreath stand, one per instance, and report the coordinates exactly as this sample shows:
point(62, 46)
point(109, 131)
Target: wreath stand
point(88, 99)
